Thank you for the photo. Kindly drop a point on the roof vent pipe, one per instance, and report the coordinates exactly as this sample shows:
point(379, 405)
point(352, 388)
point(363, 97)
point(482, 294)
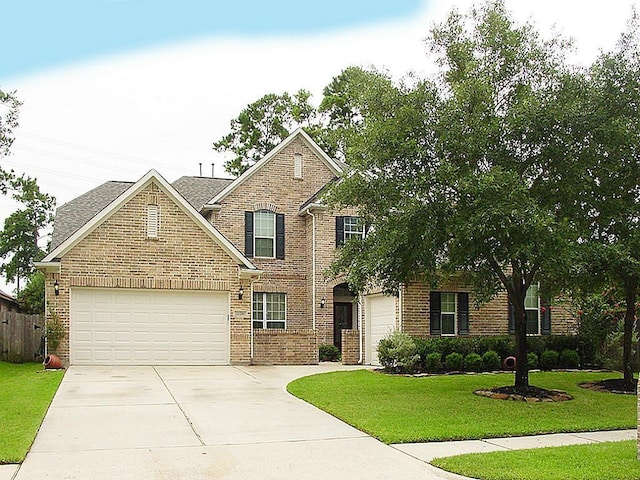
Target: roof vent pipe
point(200, 168)
point(212, 175)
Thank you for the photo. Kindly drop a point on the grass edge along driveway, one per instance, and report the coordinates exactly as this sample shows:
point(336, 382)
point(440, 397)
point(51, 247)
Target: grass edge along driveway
point(403, 409)
point(612, 460)
point(26, 391)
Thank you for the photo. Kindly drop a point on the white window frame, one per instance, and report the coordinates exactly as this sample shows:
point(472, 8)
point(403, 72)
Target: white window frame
point(264, 321)
point(535, 308)
point(256, 237)
point(153, 221)
point(353, 227)
point(454, 312)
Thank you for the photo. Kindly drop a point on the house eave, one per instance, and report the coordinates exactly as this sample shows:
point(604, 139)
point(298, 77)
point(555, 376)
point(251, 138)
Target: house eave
point(313, 208)
point(211, 208)
point(48, 267)
point(250, 274)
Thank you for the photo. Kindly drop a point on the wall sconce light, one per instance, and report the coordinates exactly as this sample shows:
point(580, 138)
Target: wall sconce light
point(56, 288)
point(323, 302)
point(240, 293)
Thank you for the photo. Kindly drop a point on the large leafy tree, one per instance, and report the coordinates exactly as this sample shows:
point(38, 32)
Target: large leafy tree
point(454, 174)
point(608, 210)
point(262, 125)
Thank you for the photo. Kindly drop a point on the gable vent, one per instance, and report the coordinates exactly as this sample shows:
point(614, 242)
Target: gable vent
point(153, 221)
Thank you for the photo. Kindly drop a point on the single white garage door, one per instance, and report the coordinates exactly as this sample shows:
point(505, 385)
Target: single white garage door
point(381, 320)
point(148, 327)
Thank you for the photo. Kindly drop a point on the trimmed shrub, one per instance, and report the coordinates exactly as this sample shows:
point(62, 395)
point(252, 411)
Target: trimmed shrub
point(398, 353)
point(532, 360)
point(433, 362)
point(453, 362)
point(549, 360)
point(328, 353)
point(569, 359)
point(423, 348)
point(491, 360)
point(473, 362)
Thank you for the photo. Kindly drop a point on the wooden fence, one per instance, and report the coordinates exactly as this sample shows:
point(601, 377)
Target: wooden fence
point(21, 337)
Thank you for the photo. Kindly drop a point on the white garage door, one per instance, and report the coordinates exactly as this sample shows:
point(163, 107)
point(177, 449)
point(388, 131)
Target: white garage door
point(148, 327)
point(381, 320)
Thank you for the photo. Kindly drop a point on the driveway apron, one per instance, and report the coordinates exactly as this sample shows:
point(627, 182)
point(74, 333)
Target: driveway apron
point(202, 423)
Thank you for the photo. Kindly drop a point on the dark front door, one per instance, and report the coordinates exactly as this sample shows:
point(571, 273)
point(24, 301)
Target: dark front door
point(342, 318)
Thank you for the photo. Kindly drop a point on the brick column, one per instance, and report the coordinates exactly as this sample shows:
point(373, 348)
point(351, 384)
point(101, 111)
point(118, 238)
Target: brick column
point(350, 347)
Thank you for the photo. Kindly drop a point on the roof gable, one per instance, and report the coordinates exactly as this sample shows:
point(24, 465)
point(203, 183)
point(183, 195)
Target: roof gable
point(335, 167)
point(128, 194)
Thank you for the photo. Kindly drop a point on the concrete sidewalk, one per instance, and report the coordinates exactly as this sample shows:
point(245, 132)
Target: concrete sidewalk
point(428, 451)
point(224, 423)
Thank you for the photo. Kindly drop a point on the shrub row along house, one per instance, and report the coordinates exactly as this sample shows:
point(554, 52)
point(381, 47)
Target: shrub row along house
point(218, 271)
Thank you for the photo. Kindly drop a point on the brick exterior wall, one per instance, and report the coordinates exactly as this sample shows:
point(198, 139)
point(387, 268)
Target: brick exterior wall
point(273, 187)
point(118, 254)
point(284, 347)
point(350, 347)
point(491, 318)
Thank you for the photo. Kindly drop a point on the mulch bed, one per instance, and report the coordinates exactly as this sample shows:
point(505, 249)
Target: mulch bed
point(527, 394)
point(612, 385)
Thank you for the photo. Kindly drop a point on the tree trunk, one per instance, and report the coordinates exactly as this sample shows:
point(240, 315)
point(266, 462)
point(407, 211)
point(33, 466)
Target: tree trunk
point(520, 317)
point(631, 288)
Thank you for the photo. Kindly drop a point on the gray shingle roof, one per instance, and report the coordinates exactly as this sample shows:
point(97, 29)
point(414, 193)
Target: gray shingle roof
point(71, 216)
point(199, 190)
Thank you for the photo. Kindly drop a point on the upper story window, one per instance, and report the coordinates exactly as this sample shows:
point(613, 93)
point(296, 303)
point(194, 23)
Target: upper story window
point(347, 228)
point(448, 313)
point(264, 234)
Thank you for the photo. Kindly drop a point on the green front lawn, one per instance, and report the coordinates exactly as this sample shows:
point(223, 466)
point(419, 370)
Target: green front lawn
point(613, 461)
point(397, 409)
point(25, 394)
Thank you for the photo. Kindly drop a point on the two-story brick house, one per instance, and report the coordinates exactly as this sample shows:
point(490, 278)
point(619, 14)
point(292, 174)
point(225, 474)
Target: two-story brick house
point(219, 271)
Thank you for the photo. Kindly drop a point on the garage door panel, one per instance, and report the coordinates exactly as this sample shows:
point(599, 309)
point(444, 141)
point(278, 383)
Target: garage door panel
point(381, 321)
point(163, 327)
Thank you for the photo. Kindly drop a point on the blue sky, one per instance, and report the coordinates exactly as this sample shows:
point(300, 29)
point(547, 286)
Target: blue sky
point(70, 31)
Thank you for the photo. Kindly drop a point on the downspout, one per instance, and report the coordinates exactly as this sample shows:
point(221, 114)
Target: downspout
point(251, 322)
point(360, 332)
point(313, 268)
point(400, 308)
point(46, 337)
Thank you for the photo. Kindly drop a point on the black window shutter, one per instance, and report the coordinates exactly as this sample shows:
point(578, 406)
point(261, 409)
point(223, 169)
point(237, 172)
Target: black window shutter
point(512, 319)
point(248, 234)
point(463, 313)
point(545, 312)
point(339, 231)
point(434, 313)
point(280, 236)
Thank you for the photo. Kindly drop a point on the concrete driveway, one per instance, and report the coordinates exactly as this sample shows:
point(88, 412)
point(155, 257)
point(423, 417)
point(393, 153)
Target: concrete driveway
point(202, 423)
